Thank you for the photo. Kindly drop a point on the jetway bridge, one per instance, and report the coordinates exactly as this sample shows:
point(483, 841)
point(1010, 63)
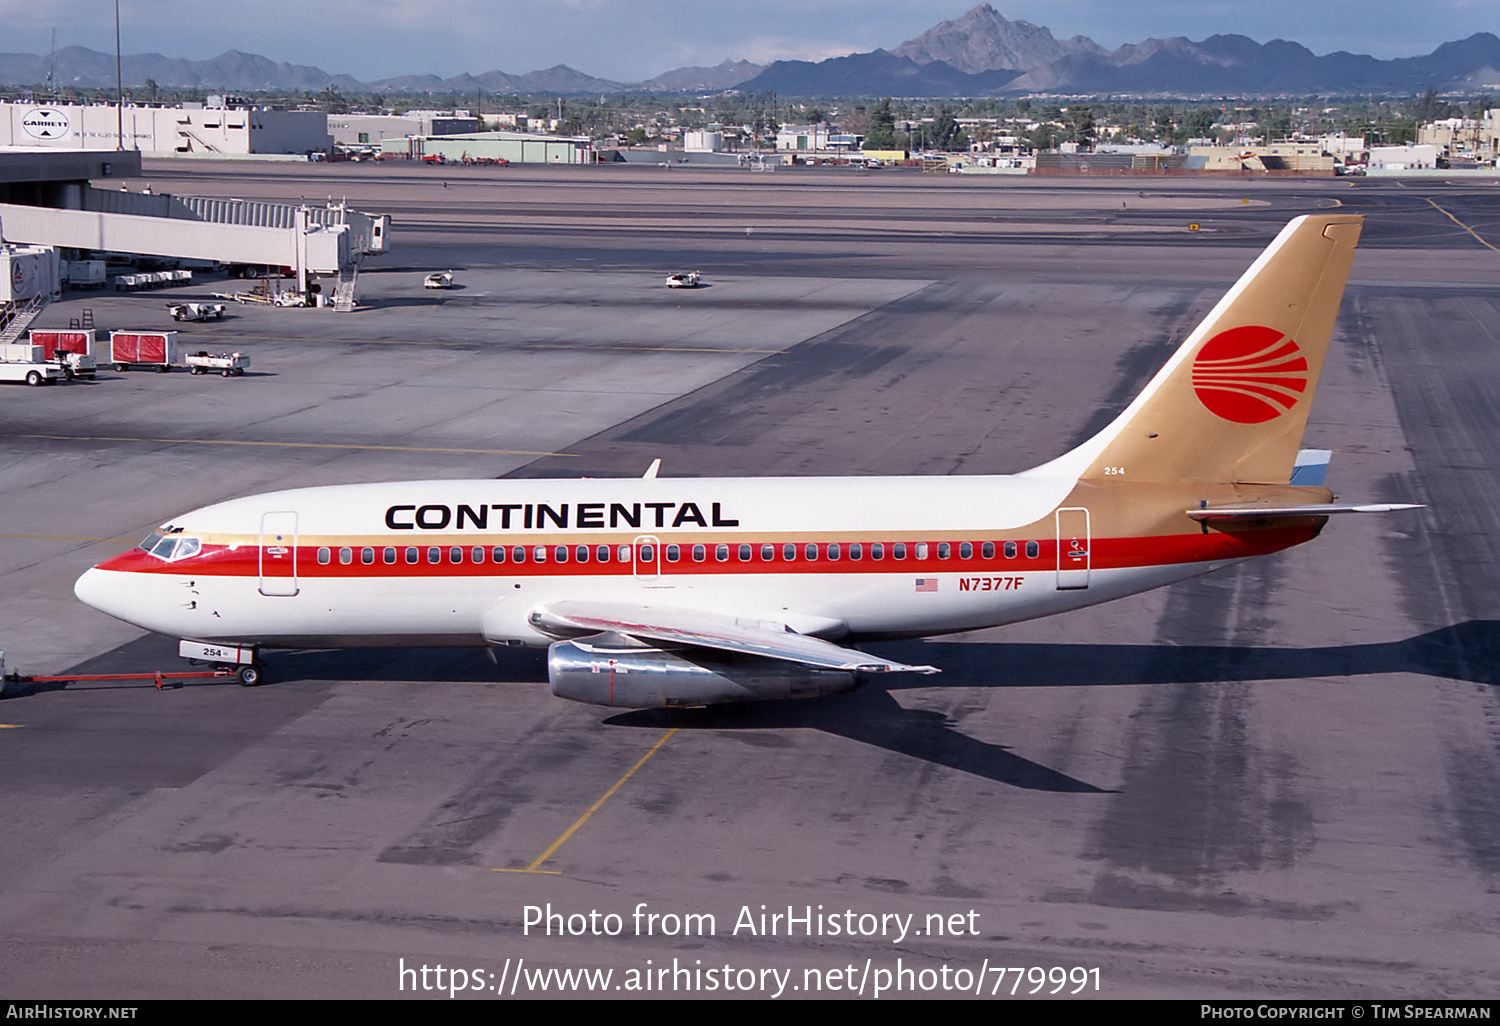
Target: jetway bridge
point(312, 241)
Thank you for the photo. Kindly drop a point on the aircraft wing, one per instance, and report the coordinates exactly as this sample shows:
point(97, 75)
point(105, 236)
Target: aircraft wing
point(654, 625)
point(1220, 514)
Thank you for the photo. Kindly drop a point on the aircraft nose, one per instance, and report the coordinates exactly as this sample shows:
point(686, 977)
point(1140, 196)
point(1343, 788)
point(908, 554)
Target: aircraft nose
point(98, 588)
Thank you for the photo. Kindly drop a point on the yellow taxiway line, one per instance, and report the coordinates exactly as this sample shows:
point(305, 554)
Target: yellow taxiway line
point(581, 820)
point(1477, 237)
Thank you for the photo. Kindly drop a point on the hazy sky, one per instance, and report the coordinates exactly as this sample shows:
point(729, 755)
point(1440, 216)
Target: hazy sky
point(628, 40)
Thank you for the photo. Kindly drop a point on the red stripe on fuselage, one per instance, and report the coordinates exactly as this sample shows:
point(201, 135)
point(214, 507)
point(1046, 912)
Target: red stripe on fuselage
point(1105, 554)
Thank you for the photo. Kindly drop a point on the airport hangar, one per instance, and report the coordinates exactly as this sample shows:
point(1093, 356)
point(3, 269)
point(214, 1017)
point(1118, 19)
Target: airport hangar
point(1275, 782)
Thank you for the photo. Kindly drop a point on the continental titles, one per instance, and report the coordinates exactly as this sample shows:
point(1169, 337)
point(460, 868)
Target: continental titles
point(539, 516)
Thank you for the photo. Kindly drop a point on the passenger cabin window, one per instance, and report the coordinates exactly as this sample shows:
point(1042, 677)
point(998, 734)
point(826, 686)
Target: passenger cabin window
point(898, 550)
point(455, 554)
point(767, 553)
point(539, 554)
point(560, 553)
point(877, 550)
point(965, 551)
point(518, 554)
point(497, 554)
point(744, 553)
point(674, 553)
point(856, 551)
point(389, 555)
point(944, 550)
point(581, 554)
point(346, 555)
point(1010, 550)
point(789, 552)
point(987, 550)
point(721, 552)
point(602, 553)
point(367, 555)
point(434, 554)
point(833, 550)
point(921, 550)
point(810, 552)
point(478, 554)
point(1032, 550)
point(699, 553)
point(324, 555)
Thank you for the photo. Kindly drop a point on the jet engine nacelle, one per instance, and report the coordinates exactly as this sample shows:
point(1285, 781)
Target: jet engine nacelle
point(649, 678)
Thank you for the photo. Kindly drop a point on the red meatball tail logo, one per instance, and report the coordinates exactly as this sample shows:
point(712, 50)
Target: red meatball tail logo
point(1249, 375)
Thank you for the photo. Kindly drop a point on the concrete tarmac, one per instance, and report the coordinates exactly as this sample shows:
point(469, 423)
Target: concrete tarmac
point(1275, 782)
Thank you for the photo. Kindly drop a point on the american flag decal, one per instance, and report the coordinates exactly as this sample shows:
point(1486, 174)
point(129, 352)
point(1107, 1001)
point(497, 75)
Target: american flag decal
point(927, 583)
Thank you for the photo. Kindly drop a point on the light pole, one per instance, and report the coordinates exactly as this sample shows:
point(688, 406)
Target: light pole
point(119, 87)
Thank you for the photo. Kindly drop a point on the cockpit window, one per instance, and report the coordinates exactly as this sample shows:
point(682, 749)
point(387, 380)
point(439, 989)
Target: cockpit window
point(172, 547)
point(150, 542)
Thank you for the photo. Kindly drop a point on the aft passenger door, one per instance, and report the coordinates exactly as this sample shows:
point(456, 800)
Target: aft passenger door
point(278, 553)
point(1072, 548)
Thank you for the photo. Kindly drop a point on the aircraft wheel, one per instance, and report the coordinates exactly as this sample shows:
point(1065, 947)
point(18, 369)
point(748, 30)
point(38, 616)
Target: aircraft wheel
point(249, 675)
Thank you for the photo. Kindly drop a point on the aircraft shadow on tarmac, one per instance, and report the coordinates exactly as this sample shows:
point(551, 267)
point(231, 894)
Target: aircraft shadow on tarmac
point(1468, 651)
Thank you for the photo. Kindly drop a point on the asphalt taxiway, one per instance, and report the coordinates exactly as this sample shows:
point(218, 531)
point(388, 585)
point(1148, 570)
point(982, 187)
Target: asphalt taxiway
point(1279, 781)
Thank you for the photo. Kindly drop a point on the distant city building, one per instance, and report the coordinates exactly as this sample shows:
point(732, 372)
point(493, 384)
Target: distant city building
point(799, 138)
point(1464, 138)
point(1403, 158)
point(164, 131)
point(516, 147)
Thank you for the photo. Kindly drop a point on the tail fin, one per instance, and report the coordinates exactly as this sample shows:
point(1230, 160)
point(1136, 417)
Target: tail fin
point(1232, 402)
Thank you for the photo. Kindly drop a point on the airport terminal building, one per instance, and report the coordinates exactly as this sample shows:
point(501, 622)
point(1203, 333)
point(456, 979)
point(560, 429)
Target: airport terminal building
point(164, 131)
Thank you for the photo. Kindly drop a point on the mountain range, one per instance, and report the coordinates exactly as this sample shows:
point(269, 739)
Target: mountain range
point(978, 54)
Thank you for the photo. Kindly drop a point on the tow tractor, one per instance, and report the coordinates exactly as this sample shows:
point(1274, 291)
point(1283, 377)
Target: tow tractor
point(231, 365)
point(684, 280)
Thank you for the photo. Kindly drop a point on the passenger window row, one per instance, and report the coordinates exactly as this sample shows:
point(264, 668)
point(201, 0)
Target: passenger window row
point(744, 553)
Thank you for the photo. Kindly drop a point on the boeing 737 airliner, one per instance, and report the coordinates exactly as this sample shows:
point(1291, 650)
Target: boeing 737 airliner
point(658, 592)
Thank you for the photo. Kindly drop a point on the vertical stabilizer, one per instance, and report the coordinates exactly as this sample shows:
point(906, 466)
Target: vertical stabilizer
point(1232, 402)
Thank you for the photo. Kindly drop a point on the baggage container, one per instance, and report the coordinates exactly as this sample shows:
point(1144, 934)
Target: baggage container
point(156, 349)
point(54, 341)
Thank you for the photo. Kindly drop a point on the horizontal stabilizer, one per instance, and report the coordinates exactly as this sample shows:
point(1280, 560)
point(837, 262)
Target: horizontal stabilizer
point(572, 619)
point(1219, 514)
